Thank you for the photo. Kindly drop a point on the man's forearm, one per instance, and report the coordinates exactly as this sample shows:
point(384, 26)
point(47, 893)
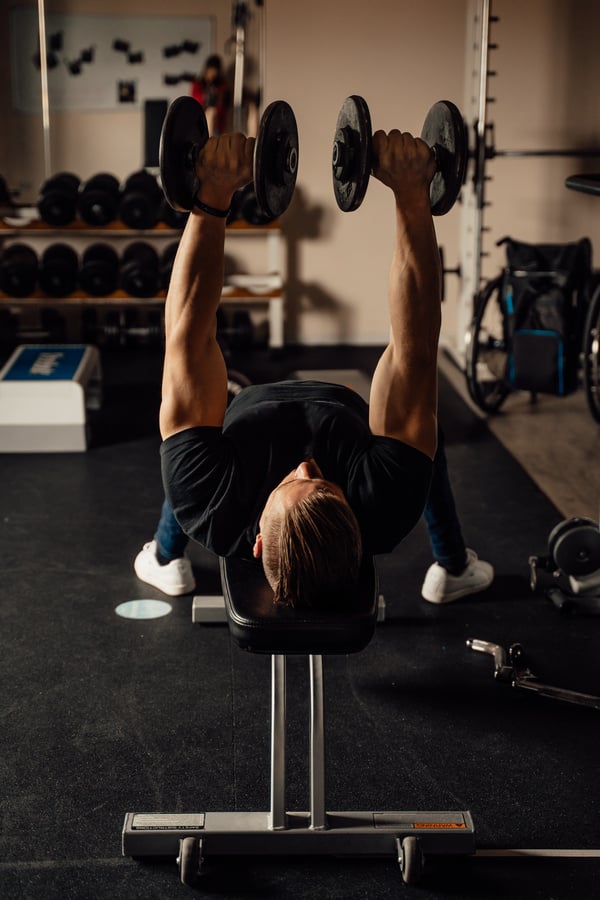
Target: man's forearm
point(197, 278)
point(194, 376)
point(404, 388)
point(414, 289)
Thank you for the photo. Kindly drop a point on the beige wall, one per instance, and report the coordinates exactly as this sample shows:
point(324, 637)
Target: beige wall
point(401, 57)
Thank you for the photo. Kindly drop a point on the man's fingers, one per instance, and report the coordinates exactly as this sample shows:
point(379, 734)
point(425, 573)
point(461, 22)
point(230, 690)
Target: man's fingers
point(228, 156)
point(399, 157)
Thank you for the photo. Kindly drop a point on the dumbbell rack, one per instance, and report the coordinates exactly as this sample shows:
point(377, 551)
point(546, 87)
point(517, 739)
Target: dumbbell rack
point(116, 308)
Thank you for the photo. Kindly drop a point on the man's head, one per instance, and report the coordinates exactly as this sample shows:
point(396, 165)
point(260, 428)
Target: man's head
point(212, 69)
point(309, 540)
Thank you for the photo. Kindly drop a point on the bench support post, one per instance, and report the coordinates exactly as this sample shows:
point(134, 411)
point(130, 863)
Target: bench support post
point(277, 816)
point(318, 816)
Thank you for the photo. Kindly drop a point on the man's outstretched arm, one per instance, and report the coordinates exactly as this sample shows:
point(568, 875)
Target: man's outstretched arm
point(403, 402)
point(194, 389)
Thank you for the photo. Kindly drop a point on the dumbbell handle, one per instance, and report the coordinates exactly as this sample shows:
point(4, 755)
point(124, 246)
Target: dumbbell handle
point(340, 157)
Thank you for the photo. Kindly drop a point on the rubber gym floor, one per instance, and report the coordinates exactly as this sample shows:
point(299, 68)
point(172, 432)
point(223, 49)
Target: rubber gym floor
point(102, 715)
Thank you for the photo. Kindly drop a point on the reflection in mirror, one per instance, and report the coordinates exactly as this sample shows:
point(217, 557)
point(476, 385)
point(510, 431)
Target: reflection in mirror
point(79, 86)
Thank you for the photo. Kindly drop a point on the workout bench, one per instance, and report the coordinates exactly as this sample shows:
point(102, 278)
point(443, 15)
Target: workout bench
point(260, 626)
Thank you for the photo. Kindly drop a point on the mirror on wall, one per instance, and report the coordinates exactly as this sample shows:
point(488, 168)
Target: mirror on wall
point(86, 92)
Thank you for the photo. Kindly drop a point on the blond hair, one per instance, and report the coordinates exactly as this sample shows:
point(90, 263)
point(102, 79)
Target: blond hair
point(312, 551)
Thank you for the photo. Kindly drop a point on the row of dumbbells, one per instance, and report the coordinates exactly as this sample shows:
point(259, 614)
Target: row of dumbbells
point(140, 271)
point(121, 327)
point(109, 328)
point(138, 202)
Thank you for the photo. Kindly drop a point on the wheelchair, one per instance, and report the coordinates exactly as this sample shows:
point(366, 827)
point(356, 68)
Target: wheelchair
point(505, 354)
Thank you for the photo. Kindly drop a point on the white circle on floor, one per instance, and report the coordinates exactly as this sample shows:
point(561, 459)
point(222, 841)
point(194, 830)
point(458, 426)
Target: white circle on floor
point(143, 609)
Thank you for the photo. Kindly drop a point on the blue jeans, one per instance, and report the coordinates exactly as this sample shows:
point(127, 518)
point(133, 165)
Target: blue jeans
point(441, 518)
point(170, 538)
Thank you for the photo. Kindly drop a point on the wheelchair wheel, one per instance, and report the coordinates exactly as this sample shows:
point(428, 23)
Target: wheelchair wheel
point(591, 355)
point(488, 351)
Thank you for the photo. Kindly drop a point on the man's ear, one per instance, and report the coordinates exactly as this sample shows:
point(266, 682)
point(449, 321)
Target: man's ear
point(258, 547)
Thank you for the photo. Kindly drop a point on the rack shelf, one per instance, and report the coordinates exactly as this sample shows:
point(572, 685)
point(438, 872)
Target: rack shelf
point(273, 299)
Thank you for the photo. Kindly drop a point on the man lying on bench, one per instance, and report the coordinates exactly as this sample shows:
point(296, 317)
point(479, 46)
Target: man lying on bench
point(305, 475)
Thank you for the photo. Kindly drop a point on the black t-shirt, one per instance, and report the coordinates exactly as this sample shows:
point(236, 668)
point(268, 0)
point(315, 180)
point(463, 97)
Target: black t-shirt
point(217, 480)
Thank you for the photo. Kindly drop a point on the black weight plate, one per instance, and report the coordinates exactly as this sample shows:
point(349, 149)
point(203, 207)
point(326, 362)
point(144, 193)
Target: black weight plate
point(59, 269)
point(18, 270)
point(276, 159)
point(64, 181)
point(99, 272)
point(140, 270)
point(445, 130)
point(562, 528)
point(575, 546)
point(99, 199)
point(352, 153)
point(183, 134)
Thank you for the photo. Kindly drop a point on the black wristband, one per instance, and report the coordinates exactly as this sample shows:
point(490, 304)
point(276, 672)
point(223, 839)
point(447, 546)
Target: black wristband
point(219, 213)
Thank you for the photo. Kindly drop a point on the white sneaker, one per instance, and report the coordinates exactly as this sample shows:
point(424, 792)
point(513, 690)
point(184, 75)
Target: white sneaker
point(442, 587)
point(174, 578)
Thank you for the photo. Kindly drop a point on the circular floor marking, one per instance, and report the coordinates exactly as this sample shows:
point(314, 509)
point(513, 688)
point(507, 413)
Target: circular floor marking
point(143, 609)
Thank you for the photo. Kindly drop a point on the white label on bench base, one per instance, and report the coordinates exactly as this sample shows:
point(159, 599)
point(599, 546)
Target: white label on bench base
point(167, 821)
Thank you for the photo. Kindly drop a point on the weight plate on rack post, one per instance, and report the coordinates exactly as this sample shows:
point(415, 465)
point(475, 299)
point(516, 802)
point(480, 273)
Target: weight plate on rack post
point(276, 159)
point(352, 153)
point(444, 130)
point(184, 133)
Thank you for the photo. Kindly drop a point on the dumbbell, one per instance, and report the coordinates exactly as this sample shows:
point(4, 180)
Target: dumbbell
point(98, 200)
point(111, 330)
point(185, 132)
point(7, 204)
point(245, 206)
point(89, 329)
point(141, 198)
point(141, 330)
point(173, 218)
point(140, 270)
point(443, 131)
point(59, 267)
point(57, 203)
point(53, 325)
point(99, 272)
point(18, 270)
point(9, 328)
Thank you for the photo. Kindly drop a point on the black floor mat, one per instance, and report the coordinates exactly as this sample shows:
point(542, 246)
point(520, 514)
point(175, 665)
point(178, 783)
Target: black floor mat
point(102, 715)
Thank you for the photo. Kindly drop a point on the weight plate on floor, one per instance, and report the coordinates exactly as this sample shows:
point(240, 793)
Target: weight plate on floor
point(575, 546)
point(352, 153)
point(183, 135)
point(276, 159)
point(444, 130)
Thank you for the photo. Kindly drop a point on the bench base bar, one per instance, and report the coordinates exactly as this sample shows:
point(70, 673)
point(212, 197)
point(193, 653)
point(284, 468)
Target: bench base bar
point(346, 833)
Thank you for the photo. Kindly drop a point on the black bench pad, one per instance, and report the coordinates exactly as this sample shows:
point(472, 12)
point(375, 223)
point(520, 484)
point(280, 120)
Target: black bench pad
point(258, 624)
